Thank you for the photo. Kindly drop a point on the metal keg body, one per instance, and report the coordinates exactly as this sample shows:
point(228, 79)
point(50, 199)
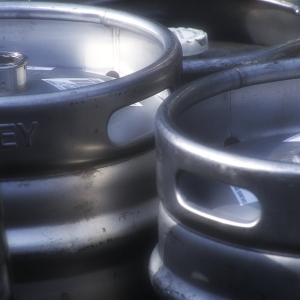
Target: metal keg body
point(138, 53)
point(200, 240)
point(78, 185)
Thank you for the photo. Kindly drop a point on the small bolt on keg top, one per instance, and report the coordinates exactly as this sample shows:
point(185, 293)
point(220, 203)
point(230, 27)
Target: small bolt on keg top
point(12, 71)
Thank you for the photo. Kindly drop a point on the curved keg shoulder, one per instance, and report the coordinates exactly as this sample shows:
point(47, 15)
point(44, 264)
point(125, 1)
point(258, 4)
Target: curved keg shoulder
point(90, 211)
point(61, 129)
point(232, 149)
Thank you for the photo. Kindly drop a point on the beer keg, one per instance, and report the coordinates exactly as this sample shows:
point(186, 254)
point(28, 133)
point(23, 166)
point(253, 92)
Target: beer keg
point(240, 32)
point(229, 181)
point(79, 90)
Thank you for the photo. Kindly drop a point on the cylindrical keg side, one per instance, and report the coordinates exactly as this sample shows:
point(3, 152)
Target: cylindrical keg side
point(145, 55)
point(77, 148)
point(5, 279)
point(218, 140)
point(193, 41)
point(229, 181)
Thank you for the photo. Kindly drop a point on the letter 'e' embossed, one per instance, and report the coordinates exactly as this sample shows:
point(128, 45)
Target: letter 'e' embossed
point(8, 134)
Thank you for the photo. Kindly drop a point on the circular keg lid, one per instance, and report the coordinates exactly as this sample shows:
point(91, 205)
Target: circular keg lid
point(193, 41)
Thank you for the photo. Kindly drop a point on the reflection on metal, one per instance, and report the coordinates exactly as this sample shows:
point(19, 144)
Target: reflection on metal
point(187, 265)
point(12, 71)
point(80, 203)
point(283, 4)
point(196, 68)
point(257, 107)
point(220, 215)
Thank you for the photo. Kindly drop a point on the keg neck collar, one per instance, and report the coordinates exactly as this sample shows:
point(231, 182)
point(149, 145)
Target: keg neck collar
point(13, 77)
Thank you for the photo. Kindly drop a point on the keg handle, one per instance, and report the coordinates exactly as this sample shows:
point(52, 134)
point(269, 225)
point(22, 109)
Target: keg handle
point(131, 133)
point(177, 152)
point(216, 174)
point(223, 213)
point(270, 182)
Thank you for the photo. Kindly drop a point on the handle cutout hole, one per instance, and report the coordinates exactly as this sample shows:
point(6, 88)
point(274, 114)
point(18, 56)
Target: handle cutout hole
point(135, 121)
point(218, 201)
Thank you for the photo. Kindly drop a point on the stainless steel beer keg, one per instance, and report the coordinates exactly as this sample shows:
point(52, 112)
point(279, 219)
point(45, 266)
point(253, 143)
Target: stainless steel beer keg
point(78, 94)
point(240, 32)
point(261, 30)
point(228, 178)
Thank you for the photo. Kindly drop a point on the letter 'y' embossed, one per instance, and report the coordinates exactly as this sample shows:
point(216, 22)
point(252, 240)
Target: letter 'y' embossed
point(27, 133)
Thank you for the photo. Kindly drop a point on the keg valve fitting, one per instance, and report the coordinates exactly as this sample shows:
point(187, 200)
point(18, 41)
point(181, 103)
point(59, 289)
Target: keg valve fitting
point(13, 76)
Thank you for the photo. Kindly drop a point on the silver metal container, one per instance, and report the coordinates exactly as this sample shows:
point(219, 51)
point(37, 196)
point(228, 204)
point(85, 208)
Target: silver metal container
point(262, 22)
point(77, 162)
point(236, 29)
point(228, 177)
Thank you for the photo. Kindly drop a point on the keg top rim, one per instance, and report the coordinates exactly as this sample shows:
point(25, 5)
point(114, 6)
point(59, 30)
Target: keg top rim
point(152, 73)
point(207, 87)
